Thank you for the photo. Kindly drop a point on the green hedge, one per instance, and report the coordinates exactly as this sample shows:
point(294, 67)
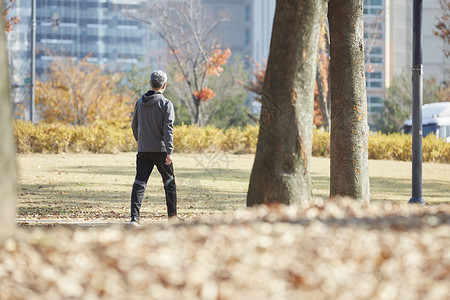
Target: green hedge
point(104, 137)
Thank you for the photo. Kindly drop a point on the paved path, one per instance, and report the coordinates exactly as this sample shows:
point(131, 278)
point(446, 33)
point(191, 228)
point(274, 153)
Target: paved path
point(75, 223)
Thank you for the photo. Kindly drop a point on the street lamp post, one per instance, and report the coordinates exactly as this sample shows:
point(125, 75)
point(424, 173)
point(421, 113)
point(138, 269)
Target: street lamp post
point(33, 58)
point(417, 77)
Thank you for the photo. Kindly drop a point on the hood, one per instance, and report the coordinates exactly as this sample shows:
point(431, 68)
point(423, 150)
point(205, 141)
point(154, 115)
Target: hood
point(151, 98)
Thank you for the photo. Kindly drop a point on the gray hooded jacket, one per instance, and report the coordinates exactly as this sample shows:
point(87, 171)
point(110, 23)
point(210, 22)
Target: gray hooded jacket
point(153, 123)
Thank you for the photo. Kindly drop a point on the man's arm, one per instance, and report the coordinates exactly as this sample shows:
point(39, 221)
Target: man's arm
point(169, 118)
point(134, 122)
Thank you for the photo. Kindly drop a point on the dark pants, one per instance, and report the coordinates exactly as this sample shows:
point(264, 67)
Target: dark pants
point(144, 166)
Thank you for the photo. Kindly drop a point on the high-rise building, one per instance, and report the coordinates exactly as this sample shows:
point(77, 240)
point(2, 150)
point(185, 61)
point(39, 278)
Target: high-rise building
point(99, 29)
point(375, 48)
point(247, 31)
point(18, 42)
point(389, 42)
point(399, 40)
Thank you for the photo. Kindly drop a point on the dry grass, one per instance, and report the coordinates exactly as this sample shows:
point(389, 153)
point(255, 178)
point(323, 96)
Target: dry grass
point(98, 186)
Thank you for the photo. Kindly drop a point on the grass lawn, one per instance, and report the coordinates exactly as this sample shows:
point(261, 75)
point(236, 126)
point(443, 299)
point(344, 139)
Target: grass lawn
point(98, 186)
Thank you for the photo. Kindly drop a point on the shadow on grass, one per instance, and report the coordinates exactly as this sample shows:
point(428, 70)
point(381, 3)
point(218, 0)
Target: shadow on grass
point(199, 189)
point(382, 188)
point(206, 174)
point(75, 200)
point(388, 189)
point(103, 170)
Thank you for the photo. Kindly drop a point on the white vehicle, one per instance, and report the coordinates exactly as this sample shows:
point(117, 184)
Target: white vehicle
point(435, 119)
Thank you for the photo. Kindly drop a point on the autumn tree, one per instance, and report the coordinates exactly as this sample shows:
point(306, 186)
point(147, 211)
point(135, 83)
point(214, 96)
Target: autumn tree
point(435, 91)
point(321, 91)
point(9, 22)
point(322, 111)
point(7, 148)
point(443, 25)
point(256, 83)
point(281, 171)
point(80, 93)
point(227, 108)
point(349, 172)
point(191, 36)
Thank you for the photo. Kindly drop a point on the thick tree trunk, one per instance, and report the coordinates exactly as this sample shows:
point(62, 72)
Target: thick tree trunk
point(7, 149)
point(280, 172)
point(349, 172)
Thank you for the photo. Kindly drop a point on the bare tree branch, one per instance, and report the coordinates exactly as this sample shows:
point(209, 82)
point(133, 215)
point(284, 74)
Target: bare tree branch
point(189, 33)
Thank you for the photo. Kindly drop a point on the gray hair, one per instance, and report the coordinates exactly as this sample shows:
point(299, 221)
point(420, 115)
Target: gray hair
point(157, 79)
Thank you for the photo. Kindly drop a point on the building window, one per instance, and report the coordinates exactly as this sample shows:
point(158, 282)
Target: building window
point(376, 60)
point(375, 56)
point(247, 15)
point(373, 7)
point(376, 50)
point(374, 104)
point(247, 36)
point(376, 84)
point(376, 75)
point(374, 80)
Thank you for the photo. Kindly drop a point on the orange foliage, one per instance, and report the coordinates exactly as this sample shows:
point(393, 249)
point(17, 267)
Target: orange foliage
point(443, 26)
point(323, 58)
point(318, 117)
point(204, 94)
point(179, 77)
point(214, 68)
point(256, 85)
point(218, 59)
point(9, 22)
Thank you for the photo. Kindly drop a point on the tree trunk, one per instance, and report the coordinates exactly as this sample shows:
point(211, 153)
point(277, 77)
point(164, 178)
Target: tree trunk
point(281, 171)
point(7, 149)
point(196, 102)
point(349, 172)
point(323, 101)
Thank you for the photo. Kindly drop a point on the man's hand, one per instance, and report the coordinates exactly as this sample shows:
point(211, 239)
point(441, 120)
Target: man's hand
point(168, 159)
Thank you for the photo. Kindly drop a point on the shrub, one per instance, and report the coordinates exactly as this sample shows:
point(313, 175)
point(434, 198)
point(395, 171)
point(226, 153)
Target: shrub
point(99, 137)
point(321, 143)
point(196, 139)
point(107, 137)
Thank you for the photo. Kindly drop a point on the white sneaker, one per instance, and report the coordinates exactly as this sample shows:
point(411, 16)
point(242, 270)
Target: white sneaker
point(134, 222)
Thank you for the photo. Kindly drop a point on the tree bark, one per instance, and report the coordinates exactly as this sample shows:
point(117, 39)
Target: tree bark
point(349, 171)
point(281, 171)
point(7, 149)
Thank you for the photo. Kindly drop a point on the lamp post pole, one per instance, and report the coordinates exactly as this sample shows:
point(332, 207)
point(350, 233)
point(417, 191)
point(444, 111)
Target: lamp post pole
point(33, 58)
point(417, 77)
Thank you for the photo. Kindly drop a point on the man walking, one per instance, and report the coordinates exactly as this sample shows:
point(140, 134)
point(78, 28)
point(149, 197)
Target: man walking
point(153, 130)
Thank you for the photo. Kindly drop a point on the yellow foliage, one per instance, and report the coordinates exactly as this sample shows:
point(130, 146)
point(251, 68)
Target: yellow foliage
point(110, 137)
point(321, 143)
point(100, 137)
point(80, 93)
point(196, 139)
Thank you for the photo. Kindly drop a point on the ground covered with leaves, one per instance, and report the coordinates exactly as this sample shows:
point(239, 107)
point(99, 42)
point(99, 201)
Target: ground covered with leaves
point(326, 250)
